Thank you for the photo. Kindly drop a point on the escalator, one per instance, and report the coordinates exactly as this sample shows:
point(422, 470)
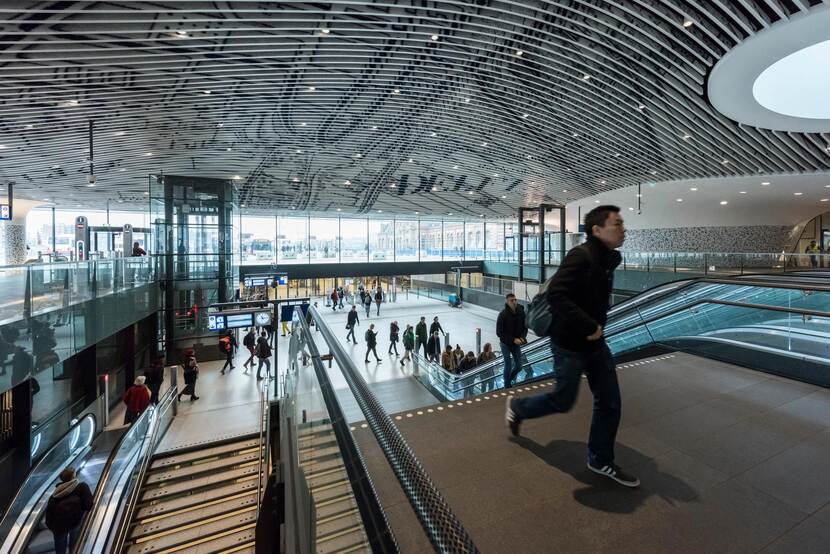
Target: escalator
point(772, 323)
point(199, 500)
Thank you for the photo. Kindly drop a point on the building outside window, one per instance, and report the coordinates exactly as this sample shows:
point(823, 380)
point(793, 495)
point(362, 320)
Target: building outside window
point(430, 240)
point(322, 240)
point(381, 240)
point(406, 241)
point(354, 240)
point(257, 240)
point(292, 240)
point(453, 248)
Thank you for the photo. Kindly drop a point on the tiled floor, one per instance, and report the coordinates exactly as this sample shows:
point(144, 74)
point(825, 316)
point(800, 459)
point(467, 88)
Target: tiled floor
point(731, 460)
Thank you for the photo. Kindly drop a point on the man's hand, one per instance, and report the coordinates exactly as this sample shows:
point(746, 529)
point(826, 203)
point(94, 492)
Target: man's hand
point(597, 334)
point(517, 341)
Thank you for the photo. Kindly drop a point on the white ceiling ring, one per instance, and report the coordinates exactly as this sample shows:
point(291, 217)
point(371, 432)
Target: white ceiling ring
point(773, 79)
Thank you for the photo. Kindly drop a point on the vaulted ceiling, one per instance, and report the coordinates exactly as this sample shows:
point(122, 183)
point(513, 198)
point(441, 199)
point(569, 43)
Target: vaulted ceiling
point(454, 106)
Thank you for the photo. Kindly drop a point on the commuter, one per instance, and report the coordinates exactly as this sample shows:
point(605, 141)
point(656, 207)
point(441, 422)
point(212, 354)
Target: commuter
point(263, 352)
point(371, 342)
point(66, 509)
point(421, 336)
point(579, 296)
point(511, 330)
point(378, 298)
point(434, 348)
point(468, 362)
point(341, 293)
point(154, 377)
point(435, 326)
point(487, 377)
point(458, 353)
point(227, 345)
point(191, 375)
point(393, 337)
point(362, 294)
point(408, 343)
point(367, 303)
point(335, 298)
point(136, 398)
point(813, 250)
point(249, 342)
point(138, 251)
point(351, 321)
point(448, 360)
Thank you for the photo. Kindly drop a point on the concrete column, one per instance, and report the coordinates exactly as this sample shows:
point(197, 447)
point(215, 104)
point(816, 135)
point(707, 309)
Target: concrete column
point(13, 232)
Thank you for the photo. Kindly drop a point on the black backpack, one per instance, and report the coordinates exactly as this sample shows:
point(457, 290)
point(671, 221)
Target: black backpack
point(538, 316)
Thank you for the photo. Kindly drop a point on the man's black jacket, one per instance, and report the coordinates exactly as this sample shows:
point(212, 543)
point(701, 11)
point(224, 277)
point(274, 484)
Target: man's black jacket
point(580, 294)
point(352, 318)
point(511, 325)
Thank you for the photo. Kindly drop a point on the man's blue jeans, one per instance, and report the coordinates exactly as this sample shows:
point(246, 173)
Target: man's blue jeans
point(598, 366)
point(512, 354)
point(65, 541)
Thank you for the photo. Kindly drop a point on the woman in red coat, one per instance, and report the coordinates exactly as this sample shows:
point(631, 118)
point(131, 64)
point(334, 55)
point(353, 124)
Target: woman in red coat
point(137, 398)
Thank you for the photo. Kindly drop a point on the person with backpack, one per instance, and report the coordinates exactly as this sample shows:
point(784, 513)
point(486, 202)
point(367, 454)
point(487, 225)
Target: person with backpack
point(191, 375)
point(421, 335)
point(393, 337)
point(371, 342)
point(367, 303)
point(512, 333)
point(154, 377)
point(341, 293)
point(408, 343)
point(263, 352)
point(579, 296)
point(227, 345)
point(65, 511)
point(136, 398)
point(249, 342)
point(351, 320)
point(378, 298)
point(334, 299)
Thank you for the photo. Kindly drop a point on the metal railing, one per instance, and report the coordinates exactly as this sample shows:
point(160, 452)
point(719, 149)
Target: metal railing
point(443, 528)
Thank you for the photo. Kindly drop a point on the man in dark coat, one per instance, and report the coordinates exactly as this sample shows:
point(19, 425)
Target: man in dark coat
point(434, 348)
point(352, 319)
point(154, 377)
point(371, 342)
point(435, 326)
point(579, 295)
point(421, 335)
point(65, 510)
point(512, 333)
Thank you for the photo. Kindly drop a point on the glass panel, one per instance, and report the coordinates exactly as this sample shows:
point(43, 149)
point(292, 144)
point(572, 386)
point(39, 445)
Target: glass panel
point(453, 248)
point(474, 241)
point(258, 235)
point(322, 240)
point(353, 242)
point(406, 241)
point(381, 240)
point(430, 232)
point(292, 240)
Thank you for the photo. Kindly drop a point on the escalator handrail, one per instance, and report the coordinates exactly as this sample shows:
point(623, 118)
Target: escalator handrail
point(33, 500)
point(445, 531)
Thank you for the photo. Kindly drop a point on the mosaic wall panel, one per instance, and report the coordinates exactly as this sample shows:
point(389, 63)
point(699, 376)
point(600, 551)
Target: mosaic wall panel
point(756, 238)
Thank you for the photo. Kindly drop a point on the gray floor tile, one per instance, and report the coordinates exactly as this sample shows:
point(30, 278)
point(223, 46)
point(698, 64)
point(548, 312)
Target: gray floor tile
point(809, 537)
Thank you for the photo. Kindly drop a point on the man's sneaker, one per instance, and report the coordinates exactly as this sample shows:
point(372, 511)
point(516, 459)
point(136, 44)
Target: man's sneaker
point(612, 471)
point(511, 418)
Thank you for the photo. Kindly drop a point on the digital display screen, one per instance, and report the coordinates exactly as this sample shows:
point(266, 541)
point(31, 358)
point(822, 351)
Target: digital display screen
point(239, 320)
point(283, 279)
point(259, 281)
point(5, 212)
point(216, 322)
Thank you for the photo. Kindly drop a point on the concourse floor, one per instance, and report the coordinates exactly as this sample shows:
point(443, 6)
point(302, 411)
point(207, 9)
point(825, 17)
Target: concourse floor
point(730, 460)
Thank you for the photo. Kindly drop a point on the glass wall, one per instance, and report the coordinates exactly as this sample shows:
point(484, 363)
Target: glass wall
point(323, 242)
point(406, 241)
point(292, 240)
point(494, 245)
point(431, 240)
point(474, 241)
point(381, 240)
point(258, 237)
point(453, 248)
point(354, 237)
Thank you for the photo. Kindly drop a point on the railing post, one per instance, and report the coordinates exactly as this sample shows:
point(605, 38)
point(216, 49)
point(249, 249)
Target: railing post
point(742, 264)
point(705, 264)
point(105, 378)
point(675, 262)
point(478, 341)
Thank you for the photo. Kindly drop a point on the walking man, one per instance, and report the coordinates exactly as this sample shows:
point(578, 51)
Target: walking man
point(436, 326)
point(227, 344)
point(579, 296)
point(434, 348)
point(367, 303)
point(249, 342)
point(378, 298)
point(371, 342)
point(263, 352)
point(512, 333)
point(351, 321)
point(66, 509)
point(421, 335)
point(408, 343)
point(393, 337)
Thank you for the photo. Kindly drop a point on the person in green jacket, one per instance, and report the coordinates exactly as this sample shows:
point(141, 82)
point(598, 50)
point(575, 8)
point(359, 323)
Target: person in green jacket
point(408, 343)
point(421, 335)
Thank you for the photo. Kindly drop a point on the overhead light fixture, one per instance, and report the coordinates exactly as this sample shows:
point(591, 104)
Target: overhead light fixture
point(120, 201)
point(564, 190)
point(123, 169)
point(416, 213)
point(484, 144)
point(312, 89)
point(496, 175)
point(119, 133)
point(724, 162)
point(411, 161)
point(797, 193)
point(480, 215)
point(574, 135)
point(148, 194)
point(630, 209)
point(148, 154)
point(469, 192)
point(467, 100)
point(90, 184)
point(824, 199)
point(723, 202)
point(641, 107)
point(525, 116)
point(596, 201)
point(449, 213)
point(434, 37)
point(434, 189)
point(688, 23)
point(742, 192)
point(654, 172)
point(358, 155)
point(227, 149)
point(455, 167)
point(393, 185)
point(602, 182)
point(693, 189)
point(299, 151)
point(338, 209)
point(687, 137)
point(206, 92)
point(396, 91)
point(679, 200)
point(237, 177)
point(519, 53)
point(296, 179)
point(3, 146)
point(504, 196)
point(325, 31)
point(347, 182)
point(302, 124)
point(765, 184)
point(55, 166)
point(242, 205)
point(586, 77)
point(380, 211)
point(181, 33)
point(374, 127)
point(30, 126)
point(220, 125)
point(434, 135)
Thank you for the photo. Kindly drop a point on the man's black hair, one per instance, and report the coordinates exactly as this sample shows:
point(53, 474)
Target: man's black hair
point(598, 216)
point(509, 295)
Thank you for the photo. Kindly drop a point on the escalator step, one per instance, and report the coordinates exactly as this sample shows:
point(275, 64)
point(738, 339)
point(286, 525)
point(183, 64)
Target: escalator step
point(160, 524)
point(197, 500)
point(199, 534)
point(199, 484)
point(178, 473)
point(164, 460)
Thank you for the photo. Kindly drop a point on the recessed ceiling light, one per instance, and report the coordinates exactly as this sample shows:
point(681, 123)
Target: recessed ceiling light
point(433, 134)
point(797, 193)
point(449, 213)
point(416, 213)
point(679, 200)
point(347, 182)
point(693, 189)
point(30, 126)
point(380, 211)
point(148, 154)
point(742, 192)
point(654, 172)
point(630, 209)
point(688, 23)
point(724, 162)
point(123, 169)
point(596, 201)
point(56, 166)
point(639, 195)
point(484, 144)
point(617, 155)
point(242, 205)
point(411, 161)
point(641, 107)
point(827, 186)
point(602, 182)
point(723, 202)
point(396, 91)
point(312, 89)
point(469, 192)
point(434, 37)
point(529, 156)
point(46, 200)
point(374, 127)
point(293, 207)
point(325, 31)
point(237, 177)
point(455, 167)
point(91, 185)
point(496, 175)
point(519, 52)
point(586, 77)
point(338, 209)
point(525, 116)
point(227, 149)
point(358, 155)
point(120, 201)
point(119, 133)
point(467, 100)
point(480, 215)
point(765, 183)
point(687, 137)
point(302, 124)
point(3, 146)
point(824, 199)
point(220, 125)
point(393, 185)
point(181, 33)
point(299, 151)
point(296, 179)
point(504, 196)
point(564, 190)
point(206, 92)
point(146, 193)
